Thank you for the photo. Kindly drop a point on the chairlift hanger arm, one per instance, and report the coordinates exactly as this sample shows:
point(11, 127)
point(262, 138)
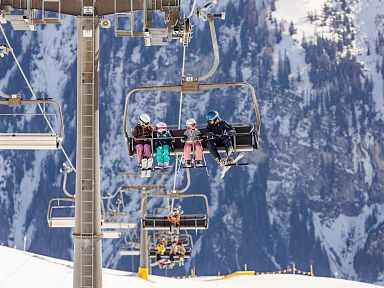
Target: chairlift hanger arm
point(215, 47)
point(6, 96)
point(51, 207)
point(73, 7)
point(71, 196)
point(204, 87)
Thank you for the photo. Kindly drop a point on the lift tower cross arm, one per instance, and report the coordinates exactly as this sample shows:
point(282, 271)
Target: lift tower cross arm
point(102, 7)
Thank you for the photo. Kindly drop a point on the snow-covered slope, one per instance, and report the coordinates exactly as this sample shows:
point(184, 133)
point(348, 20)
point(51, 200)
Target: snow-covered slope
point(22, 269)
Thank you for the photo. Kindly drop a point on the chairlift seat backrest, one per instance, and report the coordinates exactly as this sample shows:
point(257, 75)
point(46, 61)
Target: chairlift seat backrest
point(32, 141)
point(117, 225)
point(29, 141)
point(69, 222)
point(188, 222)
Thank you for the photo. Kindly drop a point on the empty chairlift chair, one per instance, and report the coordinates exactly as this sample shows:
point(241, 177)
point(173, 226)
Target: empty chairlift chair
point(114, 217)
point(32, 141)
point(61, 212)
point(186, 222)
point(129, 249)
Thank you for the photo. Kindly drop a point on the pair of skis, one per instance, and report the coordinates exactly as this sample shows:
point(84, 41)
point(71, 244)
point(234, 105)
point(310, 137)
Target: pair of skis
point(228, 166)
point(147, 166)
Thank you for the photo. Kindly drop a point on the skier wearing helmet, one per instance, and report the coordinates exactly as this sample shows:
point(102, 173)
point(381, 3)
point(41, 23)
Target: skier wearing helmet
point(163, 144)
point(142, 132)
point(218, 132)
point(192, 142)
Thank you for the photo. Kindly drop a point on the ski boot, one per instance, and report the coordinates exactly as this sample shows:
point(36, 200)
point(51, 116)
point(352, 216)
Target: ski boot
point(229, 159)
point(221, 162)
point(160, 166)
point(188, 163)
point(199, 163)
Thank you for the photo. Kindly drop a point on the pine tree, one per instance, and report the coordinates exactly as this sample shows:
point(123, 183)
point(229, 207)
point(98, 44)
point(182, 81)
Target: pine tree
point(292, 30)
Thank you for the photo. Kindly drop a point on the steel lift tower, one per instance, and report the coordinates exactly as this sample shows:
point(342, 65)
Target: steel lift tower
point(89, 13)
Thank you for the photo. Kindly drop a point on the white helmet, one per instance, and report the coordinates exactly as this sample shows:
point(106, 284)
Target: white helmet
point(190, 122)
point(144, 119)
point(161, 127)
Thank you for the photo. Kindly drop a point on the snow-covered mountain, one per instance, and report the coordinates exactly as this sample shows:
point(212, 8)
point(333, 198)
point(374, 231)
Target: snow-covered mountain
point(313, 193)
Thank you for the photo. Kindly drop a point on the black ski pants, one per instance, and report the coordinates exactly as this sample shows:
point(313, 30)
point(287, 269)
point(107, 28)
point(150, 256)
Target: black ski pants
point(212, 146)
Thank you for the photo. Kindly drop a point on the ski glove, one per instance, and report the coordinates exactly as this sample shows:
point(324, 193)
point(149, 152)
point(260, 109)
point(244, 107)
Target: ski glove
point(210, 135)
point(231, 133)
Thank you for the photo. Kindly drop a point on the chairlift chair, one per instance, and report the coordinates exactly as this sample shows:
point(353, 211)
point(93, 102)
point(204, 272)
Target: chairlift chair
point(246, 138)
point(116, 220)
point(67, 207)
point(32, 141)
point(187, 222)
point(129, 249)
point(64, 218)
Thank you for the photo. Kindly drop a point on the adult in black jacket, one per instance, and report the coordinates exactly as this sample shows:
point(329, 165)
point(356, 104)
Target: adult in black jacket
point(218, 133)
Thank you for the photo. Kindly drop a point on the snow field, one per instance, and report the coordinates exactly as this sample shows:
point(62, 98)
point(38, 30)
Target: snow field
point(23, 269)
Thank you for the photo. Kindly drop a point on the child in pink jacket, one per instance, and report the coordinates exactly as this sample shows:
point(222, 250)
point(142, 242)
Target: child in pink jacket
point(191, 138)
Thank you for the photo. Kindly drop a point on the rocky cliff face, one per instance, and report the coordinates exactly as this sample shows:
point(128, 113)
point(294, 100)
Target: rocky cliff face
point(311, 195)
